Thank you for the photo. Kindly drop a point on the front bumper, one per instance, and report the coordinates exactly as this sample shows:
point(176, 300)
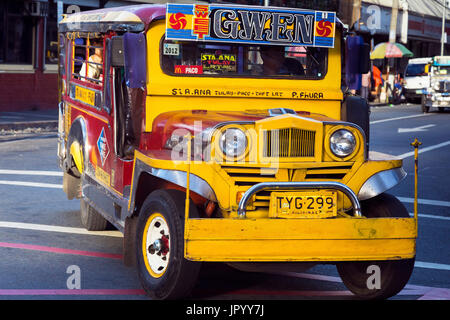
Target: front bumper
point(308, 240)
point(319, 240)
point(413, 93)
point(247, 238)
point(437, 99)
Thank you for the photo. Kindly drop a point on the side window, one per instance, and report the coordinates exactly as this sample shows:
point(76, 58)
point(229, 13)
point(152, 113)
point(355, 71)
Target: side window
point(62, 55)
point(62, 64)
point(88, 58)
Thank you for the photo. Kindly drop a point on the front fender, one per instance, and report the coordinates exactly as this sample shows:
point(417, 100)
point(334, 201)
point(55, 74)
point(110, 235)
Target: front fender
point(377, 175)
point(381, 182)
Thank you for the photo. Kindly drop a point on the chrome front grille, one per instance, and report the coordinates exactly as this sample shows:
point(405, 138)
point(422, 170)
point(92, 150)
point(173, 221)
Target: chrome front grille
point(289, 143)
point(248, 176)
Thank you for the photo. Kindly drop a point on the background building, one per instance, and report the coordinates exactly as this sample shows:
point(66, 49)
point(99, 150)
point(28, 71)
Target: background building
point(419, 24)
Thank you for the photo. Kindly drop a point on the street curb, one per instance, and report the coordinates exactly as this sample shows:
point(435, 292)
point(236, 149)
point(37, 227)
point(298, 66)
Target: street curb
point(49, 124)
point(378, 105)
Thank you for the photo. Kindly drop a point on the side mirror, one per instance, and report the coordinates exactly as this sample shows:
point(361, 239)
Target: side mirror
point(129, 51)
point(357, 55)
point(135, 54)
point(357, 61)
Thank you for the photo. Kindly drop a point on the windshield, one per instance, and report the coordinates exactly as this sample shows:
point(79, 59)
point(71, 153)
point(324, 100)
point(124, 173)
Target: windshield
point(255, 61)
point(415, 70)
point(441, 71)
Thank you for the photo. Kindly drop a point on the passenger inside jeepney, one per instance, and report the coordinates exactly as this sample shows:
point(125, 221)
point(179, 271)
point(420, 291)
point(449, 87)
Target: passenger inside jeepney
point(276, 63)
point(94, 65)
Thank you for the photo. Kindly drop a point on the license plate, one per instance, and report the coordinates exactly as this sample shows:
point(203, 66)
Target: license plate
point(419, 91)
point(321, 204)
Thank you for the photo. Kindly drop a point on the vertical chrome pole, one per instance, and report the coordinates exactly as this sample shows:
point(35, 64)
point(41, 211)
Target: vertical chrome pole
point(188, 176)
point(443, 26)
point(416, 145)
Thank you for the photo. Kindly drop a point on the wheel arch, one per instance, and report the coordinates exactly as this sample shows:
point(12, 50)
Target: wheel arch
point(76, 146)
point(147, 179)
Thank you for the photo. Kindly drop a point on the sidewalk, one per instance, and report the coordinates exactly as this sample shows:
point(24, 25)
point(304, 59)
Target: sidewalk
point(21, 120)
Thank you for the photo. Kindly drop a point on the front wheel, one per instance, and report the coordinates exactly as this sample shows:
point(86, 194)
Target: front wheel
point(163, 271)
point(394, 274)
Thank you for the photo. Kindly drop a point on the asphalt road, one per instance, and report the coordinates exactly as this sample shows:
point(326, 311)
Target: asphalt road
point(45, 252)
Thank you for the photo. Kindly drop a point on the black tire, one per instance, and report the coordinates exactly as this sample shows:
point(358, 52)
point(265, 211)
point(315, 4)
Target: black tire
point(71, 186)
point(174, 277)
point(90, 218)
point(394, 274)
point(425, 108)
point(441, 109)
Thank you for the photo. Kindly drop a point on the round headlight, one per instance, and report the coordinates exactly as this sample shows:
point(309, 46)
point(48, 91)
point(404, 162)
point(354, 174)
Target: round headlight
point(233, 142)
point(342, 143)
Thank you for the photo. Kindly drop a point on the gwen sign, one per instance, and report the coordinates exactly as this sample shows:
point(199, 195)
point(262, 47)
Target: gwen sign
point(253, 25)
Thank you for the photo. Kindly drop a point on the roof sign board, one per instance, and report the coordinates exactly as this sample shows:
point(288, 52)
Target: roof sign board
point(253, 25)
point(441, 61)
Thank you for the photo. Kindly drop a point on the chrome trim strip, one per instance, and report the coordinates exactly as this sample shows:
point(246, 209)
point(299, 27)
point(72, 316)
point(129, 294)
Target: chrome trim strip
point(381, 182)
point(298, 185)
point(196, 184)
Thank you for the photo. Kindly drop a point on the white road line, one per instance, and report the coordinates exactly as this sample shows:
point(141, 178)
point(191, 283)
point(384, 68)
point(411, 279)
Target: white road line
point(10, 117)
point(32, 172)
point(42, 227)
point(399, 118)
point(431, 216)
point(430, 265)
point(425, 201)
point(32, 184)
point(422, 150)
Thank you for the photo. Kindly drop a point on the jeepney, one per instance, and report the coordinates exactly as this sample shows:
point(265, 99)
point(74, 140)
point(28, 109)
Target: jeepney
point(437, 93)
point(221, 133)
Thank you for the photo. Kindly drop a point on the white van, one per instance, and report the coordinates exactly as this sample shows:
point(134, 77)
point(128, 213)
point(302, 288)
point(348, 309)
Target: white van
point(416, 78)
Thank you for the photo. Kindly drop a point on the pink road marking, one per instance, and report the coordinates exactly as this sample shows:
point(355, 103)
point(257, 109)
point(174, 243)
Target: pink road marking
point(59, 250)
point(69, 292)
point(306, 293)
point(436, 294)
point(427, 293)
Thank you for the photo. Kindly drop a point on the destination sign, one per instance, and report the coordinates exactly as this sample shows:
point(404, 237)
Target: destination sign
point(253, 25)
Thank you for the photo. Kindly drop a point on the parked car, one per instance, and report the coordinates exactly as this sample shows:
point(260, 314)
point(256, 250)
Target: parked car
point(416, 78)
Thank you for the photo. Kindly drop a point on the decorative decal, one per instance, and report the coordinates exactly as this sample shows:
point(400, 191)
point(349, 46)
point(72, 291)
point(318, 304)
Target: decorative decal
point(219, 62)
point(84, 95)
point(102, 146)
point(250, 24)
point(177, 21)
point(103, 176)
point(189, 69)
point(201, 21)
